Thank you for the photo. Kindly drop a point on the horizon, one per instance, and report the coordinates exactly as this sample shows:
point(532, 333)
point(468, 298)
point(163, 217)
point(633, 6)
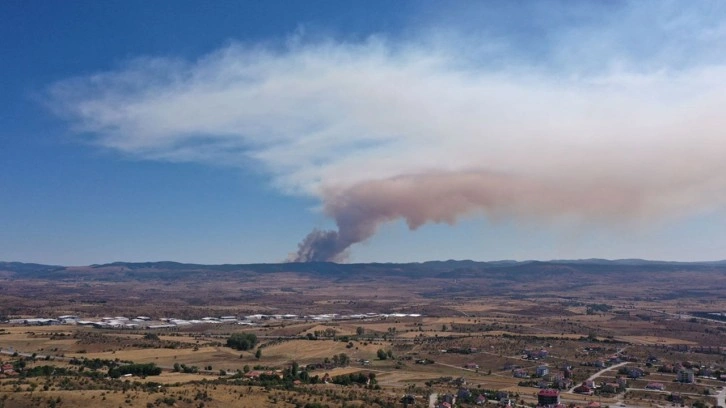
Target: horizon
point(362, 132)
point(523, 261)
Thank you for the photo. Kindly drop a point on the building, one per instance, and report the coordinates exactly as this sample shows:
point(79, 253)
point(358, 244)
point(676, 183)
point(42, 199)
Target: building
point(635, 373)
point(542, 371)
point(548, 397)
point(583, 389)
point(685, 376)
point(655, 386)
point(520, 373)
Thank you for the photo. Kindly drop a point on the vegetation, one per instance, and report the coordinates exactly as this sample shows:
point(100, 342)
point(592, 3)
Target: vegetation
point(141, 370)
point(242, 341)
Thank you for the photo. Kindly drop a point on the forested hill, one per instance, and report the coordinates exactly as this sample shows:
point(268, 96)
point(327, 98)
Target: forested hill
point(433, 269)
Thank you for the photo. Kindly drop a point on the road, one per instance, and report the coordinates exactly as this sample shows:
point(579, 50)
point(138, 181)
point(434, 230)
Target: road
point(433, 398)
point(721, 397)
point(598, 374)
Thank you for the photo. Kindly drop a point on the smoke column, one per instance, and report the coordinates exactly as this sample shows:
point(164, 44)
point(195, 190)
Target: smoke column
point(443, 197)
point(615, 122)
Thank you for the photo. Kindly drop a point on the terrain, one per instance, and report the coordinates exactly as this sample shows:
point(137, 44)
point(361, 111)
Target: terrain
point(443, 327)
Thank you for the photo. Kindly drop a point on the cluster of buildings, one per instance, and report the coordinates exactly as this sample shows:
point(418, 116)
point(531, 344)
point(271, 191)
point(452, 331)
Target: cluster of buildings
point(544, 377)
point(449, 400)
point(7, 370)
point(146, 322)
point(588, 387)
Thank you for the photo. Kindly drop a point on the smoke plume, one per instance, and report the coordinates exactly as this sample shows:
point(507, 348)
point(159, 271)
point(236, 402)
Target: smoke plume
point(616, 121)
point(444, 197)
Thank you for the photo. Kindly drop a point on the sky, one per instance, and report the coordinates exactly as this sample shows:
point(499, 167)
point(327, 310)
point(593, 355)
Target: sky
point(361, 131)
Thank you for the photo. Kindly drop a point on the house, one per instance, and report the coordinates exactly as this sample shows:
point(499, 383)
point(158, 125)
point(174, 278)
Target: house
point(655, 386)
point(448, 399)
point(253, 374)
point(611, 388)
point(464, 394)
point(471, 366)
point(520, 373)
point(461, 381)
point(547, 397)
point(561, 382)
point(481, 399)
point(635, 373)
point(542, 371)
point(567, 372)
point(593, 404)
point(583, 389)
point(8, 370)
point(685, 376)
point(705, 372)
point(501, 395)
point(535, 354)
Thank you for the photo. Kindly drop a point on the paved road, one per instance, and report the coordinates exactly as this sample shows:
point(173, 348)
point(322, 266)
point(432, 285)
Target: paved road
point(598, 374)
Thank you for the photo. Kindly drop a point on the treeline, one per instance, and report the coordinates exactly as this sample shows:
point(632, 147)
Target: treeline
point(355, 378)
point(140, 370)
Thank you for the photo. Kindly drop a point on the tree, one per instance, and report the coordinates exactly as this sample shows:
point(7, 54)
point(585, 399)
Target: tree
point(258, 354)
point(242, 341)
point(343, 359)
point(382, 355)
point(359, 330)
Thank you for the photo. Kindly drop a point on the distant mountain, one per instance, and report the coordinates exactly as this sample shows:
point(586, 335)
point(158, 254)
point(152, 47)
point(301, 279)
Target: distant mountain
point(437, 269)
point(452, 279)
point(20, 267)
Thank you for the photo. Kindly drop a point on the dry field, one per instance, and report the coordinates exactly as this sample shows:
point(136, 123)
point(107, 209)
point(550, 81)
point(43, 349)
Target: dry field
point(472, 333)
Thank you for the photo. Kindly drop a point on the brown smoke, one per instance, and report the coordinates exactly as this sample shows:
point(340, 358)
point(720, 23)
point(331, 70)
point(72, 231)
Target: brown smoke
point(443, 197)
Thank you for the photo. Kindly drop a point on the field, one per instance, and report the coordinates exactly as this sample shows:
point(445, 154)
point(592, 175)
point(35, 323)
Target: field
point(472, 335)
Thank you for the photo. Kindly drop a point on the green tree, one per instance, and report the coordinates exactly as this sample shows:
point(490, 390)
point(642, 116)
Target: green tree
point(258, 354)
point(359, 330)
point(382, 355)
point(242, 341)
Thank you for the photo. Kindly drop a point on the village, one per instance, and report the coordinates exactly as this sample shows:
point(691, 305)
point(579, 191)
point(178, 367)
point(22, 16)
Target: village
point(384, 359)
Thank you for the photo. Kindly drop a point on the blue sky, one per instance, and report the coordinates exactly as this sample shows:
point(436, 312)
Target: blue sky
point(224, 132)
